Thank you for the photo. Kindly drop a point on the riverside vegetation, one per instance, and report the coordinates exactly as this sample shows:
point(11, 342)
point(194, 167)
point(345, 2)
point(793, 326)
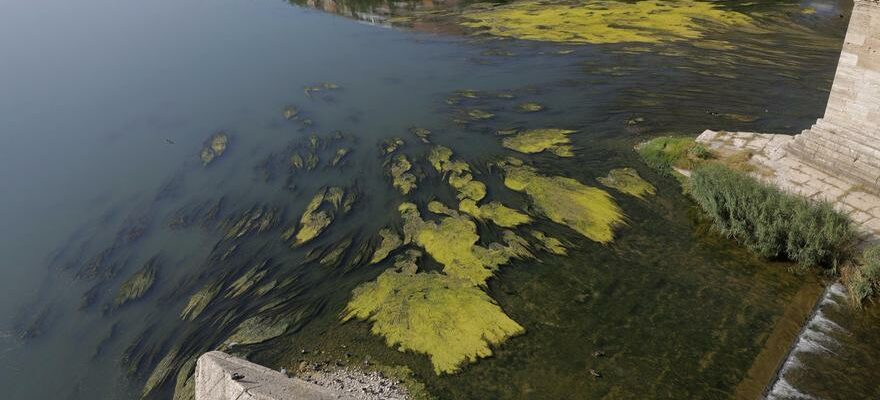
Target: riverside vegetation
point(771, 223)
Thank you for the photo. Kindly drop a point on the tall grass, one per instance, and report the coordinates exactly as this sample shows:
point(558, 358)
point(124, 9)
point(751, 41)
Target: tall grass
point(863, 279)
point(771, 223)
point(669, 152)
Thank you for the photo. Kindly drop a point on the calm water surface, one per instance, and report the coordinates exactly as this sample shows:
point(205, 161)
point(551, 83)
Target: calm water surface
point(105, 105)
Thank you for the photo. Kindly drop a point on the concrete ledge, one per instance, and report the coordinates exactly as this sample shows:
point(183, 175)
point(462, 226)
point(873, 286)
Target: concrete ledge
point(214, 381)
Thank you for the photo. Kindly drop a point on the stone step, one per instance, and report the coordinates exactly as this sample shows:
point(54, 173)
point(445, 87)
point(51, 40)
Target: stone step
point(817, 154)
point(842, 144)
point(850, 133)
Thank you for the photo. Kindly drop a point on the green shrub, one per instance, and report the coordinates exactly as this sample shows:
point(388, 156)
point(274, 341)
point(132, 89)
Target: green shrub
point(771, 223)
point(864, 280)
point(667, 152)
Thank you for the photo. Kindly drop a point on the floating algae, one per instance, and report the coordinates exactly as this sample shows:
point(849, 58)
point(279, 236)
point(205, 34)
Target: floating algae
point(590, 211)
point(650, 21)
point(494, 211)
point(316, 219)
point(480, 114)
point(402, 179)
point(340, 154)
point(214, 147)
point(421, 133)
point(627, 180)
point(199, 301)
point(137, 285)
point(290, 112)
point(452, 243)
point(529, 107)
point(390, 242)
point(443, 316)
point(538, 140)
point(549, 243)
point(258, 329)
point(459, 176)
point(391, 145)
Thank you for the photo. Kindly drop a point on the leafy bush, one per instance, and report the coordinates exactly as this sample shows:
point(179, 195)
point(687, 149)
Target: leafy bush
point(863, 281)
point(771, 223)
point(667, 152)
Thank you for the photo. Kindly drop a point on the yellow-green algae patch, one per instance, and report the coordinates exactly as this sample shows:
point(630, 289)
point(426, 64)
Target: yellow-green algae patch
point(494, 211)
point(529, 107)
point(458, 172)
point(390, 242)
point(199, 301)
point(588, 210)
point(316, 219)
point(443, 316)
point(651, 21)
point(627, 180)
point(402, 179)
point(452, 243)
point(538, 140)
point(550, 243)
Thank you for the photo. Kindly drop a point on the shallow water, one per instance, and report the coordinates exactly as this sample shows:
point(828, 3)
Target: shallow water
point(105, 107)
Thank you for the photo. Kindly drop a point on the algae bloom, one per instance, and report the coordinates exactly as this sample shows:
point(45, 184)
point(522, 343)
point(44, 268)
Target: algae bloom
point(627, 180)
point(598, 22)
point(538, 140)
point(319, 214)
point(445, 317)
point(590, 211)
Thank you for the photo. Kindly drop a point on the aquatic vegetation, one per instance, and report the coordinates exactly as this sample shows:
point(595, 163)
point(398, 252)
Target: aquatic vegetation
point(530, 107)
point(161, 372)
point(459, 176)
point(214, 147)
point(667, 153)
point(340, 154)
point(770, 222)
point(137, 285)
point(296, 161)
point(311, 161)
point(549, 243)
point(538, 140)
point(258, 329)
point(199, 301)
point(245, 282)
point(316, 219)
point(494, 211)
point(319, 88)
point(335, 255)
point(390, 242)
point(480, 114)
point(627, 180)
point(422, 133)
point(290, 112)
point(590, 211)
point(862, 279)
point(599, 22)
point(258, 219)
point(452, 243)
point(443, 316)
point(391, 145)
point(402, 180)
point(185, 384)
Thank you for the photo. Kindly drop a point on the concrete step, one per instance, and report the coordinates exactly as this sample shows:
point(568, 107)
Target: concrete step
point(850, 133)
point(835, 154)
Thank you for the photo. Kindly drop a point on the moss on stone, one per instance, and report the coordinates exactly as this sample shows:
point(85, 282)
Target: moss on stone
point(650, 21)
point(590, 211)
point(443, 316)
point(538, 140)
point(627, 180)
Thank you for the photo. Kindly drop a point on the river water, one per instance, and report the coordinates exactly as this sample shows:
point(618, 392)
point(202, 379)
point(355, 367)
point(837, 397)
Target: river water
point(106, 105)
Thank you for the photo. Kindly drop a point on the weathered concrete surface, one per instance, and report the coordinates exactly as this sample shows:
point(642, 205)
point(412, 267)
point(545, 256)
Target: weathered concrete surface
point(838, 159)
point(214, 381)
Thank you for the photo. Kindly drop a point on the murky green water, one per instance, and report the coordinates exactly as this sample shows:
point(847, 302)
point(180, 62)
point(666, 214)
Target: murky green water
point(106, 105)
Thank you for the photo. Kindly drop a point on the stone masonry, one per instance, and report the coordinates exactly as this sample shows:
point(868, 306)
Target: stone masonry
point(838, 158)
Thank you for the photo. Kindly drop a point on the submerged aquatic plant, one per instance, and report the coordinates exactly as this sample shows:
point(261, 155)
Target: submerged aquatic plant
point(529, 107)
point(402, 179)
point(627, 180)
point(494, 211)
point(650, 21)
point(390, 242)
point(137, 285)
point(590, 211)
point(319, 214)
point(538, 140)
point(214, 147)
